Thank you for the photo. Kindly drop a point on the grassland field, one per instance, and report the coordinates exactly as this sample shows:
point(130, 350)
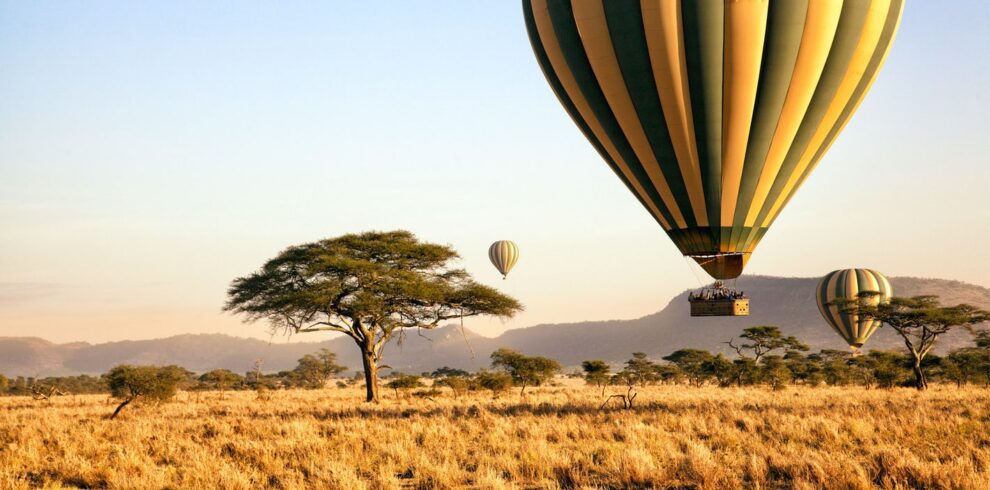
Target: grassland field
point(553, 437)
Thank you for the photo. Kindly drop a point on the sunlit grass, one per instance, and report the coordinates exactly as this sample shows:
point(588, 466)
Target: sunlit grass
point(553, 438)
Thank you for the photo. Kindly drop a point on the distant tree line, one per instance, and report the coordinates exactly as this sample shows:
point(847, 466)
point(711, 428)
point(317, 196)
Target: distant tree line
point(313, 371)
point(766, 357)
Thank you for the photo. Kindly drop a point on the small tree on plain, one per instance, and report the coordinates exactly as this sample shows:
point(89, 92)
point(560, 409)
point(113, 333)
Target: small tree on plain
point(691, 362)
point(370, 286)
point(221, 379)
point(886, 369)
point(835, 366)
point(315, 370)
point(720, 368)
point(494, 381)
point(525, 370)
point(745, 371)
point(641, 370)
point(446, 372)
point(130, 383)
point(457, 384)
point(404, 382)
point(774, 372)
point(4, 383)
point(597, 372)
point(763, 339)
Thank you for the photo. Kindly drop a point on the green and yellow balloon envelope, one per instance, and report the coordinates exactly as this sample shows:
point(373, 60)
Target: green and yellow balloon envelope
point(712, 112)
point(847, 285)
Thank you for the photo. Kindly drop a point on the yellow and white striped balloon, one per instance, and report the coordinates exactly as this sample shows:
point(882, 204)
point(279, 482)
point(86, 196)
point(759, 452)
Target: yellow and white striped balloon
point(847, 284)
point(503, 254)
point(712, 112)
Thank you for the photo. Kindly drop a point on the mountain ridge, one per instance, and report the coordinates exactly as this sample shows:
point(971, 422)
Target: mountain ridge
point(786, 302)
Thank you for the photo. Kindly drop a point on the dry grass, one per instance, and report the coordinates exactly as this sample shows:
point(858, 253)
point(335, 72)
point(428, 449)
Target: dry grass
point(676, 437)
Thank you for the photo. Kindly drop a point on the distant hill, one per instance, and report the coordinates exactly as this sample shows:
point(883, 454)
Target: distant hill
point(786, 302)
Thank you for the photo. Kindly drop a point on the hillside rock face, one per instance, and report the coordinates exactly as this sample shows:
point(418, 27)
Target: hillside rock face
point(786, 302)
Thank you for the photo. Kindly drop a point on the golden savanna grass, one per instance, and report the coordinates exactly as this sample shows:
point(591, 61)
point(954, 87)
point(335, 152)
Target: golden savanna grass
point(675, 437)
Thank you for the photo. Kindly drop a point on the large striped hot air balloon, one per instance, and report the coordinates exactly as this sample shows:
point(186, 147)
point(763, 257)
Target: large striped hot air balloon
point(847, 285)
point(503, 254)
point(712, 112)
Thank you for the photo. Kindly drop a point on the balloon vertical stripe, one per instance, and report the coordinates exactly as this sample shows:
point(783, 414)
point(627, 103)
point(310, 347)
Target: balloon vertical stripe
point(711, 112)
point(847, 285)
point(504, 254)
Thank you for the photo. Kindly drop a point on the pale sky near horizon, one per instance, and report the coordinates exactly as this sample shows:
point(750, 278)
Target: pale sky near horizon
point(152, 152)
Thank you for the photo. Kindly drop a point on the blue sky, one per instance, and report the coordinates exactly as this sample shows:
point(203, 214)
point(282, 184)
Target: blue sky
point(151, 152)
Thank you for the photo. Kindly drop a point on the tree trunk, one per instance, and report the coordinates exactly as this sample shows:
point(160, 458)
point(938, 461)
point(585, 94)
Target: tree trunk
point(919, 376)
point(370, 371)
point(120, 407)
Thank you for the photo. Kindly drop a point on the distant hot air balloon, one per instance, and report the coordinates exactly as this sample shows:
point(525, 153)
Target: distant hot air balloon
point(847, 285)
point(712, 112)
point(503, 254)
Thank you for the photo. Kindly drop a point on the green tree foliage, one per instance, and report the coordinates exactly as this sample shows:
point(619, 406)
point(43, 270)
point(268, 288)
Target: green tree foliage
point(314, 370)
point(803, 369)
point(692, 364)
point(639, 370)
point(835, 366)
point(919, 320)
point(745, 371)
point(4, 384)
point(368, 286)
point(221, 380)
point(719, 368)
point(445, 372)
point(886, 369)
point(762, 340)
point(148, 382)
point(404, 382)
point(525, 370)
point(775, 371)
point(457, 384)
point(458, 380)
point(494, 381)
point(596, 372)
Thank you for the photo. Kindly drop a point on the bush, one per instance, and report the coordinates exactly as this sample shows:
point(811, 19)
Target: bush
point(495, 381)
point(148, 382)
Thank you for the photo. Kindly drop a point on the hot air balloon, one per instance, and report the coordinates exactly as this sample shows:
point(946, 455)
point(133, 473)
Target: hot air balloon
point(847, 285)
point(503, 254)
point(711, 112)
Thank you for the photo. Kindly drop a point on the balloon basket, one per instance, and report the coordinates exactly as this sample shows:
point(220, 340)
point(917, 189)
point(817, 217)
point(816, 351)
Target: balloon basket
point(718, 300)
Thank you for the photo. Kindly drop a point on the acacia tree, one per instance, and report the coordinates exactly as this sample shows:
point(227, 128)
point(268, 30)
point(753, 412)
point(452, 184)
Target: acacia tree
point(525, 370)
point(764, 339)
point(221, 379)
point(370, 286)
point(597, 372)
point(315, 370)
point(919, 320)
point(494, 381)
point(404, 382)
point(691, 362)
point(130, 383)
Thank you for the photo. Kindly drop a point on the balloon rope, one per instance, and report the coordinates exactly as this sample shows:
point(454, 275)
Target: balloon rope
point(693, 272)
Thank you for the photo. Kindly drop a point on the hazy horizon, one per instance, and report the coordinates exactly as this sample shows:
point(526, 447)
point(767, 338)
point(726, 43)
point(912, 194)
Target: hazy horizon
point(149, 154)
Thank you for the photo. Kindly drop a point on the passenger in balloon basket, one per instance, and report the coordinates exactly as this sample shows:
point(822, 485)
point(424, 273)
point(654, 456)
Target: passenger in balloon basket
point(717, 292)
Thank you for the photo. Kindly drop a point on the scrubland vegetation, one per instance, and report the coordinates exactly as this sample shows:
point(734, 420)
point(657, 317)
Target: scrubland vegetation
point(552, 437)
point(772, 415)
